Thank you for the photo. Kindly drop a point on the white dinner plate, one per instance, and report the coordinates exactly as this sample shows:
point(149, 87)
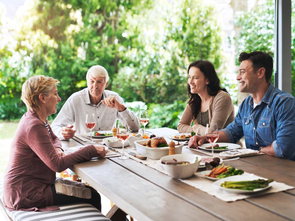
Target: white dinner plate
point(103, 134)
point(230, 146)
point(206, 172)
point(240, 178)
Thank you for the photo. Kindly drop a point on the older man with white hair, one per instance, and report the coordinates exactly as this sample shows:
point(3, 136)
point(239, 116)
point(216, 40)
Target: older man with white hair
point(107, 106)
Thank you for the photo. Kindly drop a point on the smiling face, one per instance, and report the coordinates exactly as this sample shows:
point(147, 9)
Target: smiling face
point(51, 101)
point(247, 77)
point(197, 81)
point(96, 86)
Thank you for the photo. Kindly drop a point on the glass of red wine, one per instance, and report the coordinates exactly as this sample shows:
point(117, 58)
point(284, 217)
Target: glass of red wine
point(144, 119)
point(90, 124)
point(212, 135)
point(122, 136)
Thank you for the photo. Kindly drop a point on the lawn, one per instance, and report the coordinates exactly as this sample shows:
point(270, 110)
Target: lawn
point(7, 130)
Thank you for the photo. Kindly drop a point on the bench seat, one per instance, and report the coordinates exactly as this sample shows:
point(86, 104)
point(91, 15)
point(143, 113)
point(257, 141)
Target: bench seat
point(81, 211)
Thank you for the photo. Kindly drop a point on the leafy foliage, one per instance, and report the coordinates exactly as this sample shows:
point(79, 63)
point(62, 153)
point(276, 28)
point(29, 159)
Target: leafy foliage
point(142, 44)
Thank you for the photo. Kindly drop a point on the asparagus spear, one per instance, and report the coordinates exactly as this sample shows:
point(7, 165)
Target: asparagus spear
point(246, 185)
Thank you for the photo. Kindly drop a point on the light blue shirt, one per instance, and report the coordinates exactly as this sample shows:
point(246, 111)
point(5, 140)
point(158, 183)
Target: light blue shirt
point(75, 108)
point(272, 121)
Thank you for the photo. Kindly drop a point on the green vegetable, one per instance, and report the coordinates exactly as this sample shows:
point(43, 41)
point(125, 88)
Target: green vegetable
point(196, 159)
point(231, 171)
point(163, 145)
point(246, 185)
point(193, 133)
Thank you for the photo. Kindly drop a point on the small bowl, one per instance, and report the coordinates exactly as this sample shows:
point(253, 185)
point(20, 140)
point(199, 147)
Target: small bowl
point(181, 171)
point(153, 152)
point(114, 142)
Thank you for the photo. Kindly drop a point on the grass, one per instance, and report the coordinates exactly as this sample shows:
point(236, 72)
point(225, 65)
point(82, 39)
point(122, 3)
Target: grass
point(7, 130)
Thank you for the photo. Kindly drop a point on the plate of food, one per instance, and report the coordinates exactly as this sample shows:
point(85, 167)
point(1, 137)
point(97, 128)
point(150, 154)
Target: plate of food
point(101, 134)
point(212, 161)
point(181, 137)
point(243, 184)
point(219, 147)
point(221, 172)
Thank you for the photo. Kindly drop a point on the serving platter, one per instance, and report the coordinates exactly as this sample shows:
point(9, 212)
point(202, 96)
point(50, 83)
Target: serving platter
point(229, 146)
point(240, 178)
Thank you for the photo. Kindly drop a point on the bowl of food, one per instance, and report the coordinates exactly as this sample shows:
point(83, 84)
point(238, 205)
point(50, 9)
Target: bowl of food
point(113, 142)
point(155, 148)
point(180, 166)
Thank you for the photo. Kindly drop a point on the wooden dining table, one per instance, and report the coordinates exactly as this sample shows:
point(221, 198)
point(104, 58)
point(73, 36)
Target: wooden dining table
point(147, 194)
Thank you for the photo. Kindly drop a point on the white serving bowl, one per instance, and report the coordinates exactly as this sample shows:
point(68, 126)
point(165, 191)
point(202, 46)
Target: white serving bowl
point(180, 171)
point(114, 142)
point(154, 153)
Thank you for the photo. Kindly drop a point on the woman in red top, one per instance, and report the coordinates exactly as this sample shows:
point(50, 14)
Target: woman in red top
point(36, 153)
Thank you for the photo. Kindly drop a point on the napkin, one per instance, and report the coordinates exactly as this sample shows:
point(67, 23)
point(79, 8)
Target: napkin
point(238, 153)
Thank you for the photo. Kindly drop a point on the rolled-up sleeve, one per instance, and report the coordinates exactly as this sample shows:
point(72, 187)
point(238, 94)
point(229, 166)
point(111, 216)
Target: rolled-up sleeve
point(234, 131)
point(284, 145)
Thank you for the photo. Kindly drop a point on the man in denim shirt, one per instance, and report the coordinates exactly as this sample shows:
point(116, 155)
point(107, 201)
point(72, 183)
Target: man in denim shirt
point(267, 117)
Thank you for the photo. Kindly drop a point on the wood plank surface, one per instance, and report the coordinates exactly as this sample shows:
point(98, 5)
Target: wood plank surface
point(238, 210)
point(136, 196)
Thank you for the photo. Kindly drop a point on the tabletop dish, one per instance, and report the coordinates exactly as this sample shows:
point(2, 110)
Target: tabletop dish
point(206, 172)
point(113, 142)
point(230, 146)
point(181, 137)
point(240, 178)
point(101, 134)
point(181, 171)
point(154, 153)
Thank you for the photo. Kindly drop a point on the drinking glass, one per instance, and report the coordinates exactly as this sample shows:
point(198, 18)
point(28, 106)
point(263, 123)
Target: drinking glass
point(144, 119)
point(212, 137)
point(122, 136)
point(90, 124)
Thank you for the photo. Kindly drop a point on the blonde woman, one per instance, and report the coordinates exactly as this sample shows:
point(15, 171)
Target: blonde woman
point(208, 102)
point(36, 153)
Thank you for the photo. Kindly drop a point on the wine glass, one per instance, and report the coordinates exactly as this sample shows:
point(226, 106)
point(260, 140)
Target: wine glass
point(144, 119)
point(212, 137)
point(90, 124)
point(122, 136)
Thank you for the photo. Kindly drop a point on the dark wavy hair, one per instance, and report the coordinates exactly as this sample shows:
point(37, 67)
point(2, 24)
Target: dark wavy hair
point(213, 87)
point(259, 59)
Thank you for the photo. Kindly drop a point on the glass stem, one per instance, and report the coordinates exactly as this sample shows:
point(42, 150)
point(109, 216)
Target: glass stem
point(123, 153)
point(143, 130)
point(212, 150)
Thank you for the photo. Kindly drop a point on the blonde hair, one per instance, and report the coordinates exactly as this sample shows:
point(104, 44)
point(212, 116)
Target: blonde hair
point(97, 71)
point(33, 87)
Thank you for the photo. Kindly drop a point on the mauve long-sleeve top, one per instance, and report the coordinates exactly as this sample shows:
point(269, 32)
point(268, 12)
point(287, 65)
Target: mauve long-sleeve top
point(33, 164)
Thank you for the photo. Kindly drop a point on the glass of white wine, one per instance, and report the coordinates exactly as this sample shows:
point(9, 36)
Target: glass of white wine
point(122, 136)
point(144, 119)
point(213, 136)
point(90, 124)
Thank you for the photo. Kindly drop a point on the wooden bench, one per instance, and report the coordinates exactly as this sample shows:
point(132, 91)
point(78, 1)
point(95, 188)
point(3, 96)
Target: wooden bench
point(82, 211)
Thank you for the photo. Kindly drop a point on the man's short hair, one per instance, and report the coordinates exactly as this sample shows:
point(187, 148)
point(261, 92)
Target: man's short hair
point(97, 71)
point(259, 59)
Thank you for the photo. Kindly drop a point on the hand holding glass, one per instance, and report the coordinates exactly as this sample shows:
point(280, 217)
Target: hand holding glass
point(213, 136)
point(90, 124)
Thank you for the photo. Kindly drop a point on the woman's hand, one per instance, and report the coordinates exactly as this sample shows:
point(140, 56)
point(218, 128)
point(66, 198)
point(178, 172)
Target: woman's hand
point(59, 151)
point(196, 141)
point(101, 152)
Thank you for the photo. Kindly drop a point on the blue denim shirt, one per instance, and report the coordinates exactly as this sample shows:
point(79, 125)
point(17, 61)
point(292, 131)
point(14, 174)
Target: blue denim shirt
point(272, 121)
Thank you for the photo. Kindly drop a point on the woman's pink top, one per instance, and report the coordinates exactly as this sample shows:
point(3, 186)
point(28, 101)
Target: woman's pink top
point(33, 164)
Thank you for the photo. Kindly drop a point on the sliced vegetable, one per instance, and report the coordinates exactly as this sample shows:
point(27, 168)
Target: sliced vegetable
point(246, 185)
